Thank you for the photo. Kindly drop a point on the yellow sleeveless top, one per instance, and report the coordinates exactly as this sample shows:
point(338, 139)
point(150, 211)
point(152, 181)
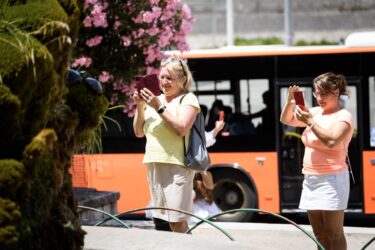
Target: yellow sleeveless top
point(163, 145)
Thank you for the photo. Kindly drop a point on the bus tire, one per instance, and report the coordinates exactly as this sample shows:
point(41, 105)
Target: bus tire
point(233, 191)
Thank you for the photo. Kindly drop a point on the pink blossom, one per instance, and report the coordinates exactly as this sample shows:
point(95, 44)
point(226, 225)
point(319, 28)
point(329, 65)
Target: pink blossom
point(156, 11)
point(185, 27)
point(87, 22)
point(127, 89)
point(88, 3)
point(186, 12)
point(114, 99)
point(138, 19)
point(118, 84)
point(82, 61)
point(153, 31)
point(117, 24)
point(105, 5)
point(126, 41)
point(167, 14)
point(150, 27)
point(182, 46)
point(151, 54)
point(152, 70)
point(173, 4)
point(165, 37)
point(148, 17)
point(129, 107)
point(99, 18)
point(140, 32)
point(104, 76)
point(94, 41)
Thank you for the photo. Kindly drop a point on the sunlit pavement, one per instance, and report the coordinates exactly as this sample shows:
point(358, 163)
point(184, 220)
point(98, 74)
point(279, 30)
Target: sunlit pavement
point(246, 236)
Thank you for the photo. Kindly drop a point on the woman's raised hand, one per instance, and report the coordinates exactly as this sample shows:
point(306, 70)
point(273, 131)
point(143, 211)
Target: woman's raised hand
point(137, 98)
point(150, 99)
point(291, 90)
point(303, 116)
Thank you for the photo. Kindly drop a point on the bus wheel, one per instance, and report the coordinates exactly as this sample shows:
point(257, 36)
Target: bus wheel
point(232, 191)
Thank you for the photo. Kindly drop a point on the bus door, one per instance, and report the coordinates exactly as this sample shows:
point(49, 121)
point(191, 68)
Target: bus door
point(291, 148)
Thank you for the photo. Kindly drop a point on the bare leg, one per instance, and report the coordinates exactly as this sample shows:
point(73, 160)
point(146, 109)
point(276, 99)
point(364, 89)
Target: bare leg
point(334, 229)
point(317, 224)
point(180, 227)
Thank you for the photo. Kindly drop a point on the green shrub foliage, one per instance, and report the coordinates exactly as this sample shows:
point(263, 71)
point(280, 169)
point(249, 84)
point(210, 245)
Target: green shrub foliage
point(42, 123)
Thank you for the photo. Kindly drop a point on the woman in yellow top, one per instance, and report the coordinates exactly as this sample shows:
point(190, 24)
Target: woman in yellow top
point(165, 121)
point(325, 191)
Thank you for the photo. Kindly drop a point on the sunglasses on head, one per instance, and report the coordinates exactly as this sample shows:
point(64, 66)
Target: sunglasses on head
point(182, 65)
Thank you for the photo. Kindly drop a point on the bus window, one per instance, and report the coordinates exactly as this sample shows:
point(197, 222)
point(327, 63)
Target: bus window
point(252, 100)
point(372, 110)
point(210, 85)
point(208, 100)
point(307, 95)
point(226, 103)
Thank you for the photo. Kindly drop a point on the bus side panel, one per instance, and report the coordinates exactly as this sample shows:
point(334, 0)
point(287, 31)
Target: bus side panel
point(369, 181)
point(262, 166)
point(124, 173)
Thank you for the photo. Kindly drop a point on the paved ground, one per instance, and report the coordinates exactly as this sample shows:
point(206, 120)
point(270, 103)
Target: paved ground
point(246, 236)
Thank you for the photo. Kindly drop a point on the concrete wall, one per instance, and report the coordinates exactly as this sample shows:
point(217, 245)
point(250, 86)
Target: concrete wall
point(313, 20)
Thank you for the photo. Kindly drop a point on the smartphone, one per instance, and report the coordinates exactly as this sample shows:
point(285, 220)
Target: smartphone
point(151, 82)
point(221, 116)
point(298, 97)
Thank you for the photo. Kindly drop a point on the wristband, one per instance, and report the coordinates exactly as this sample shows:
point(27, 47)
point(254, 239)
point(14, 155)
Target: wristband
point(161, 110)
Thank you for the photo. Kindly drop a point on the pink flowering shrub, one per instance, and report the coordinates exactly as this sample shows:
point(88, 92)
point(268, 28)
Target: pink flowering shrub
point(120, 39)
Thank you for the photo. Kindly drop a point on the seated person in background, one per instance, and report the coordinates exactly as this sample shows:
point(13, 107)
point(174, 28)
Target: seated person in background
point(214, 114)
point(240, 125)
point(204, 205)
point(267, 125)
point(211, 135)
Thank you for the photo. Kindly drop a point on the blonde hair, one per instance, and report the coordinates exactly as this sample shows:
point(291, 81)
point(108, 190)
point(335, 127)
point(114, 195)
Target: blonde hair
point(181, 69)
point(329, 82)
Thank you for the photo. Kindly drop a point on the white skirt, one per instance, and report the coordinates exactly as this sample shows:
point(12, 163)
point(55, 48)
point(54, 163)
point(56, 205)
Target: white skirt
point(170, 186)
point(325, 192)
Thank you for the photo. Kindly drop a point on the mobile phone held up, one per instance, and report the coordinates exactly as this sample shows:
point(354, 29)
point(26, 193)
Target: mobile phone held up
point(221, 116)
point(150, 82)
point(298, 97)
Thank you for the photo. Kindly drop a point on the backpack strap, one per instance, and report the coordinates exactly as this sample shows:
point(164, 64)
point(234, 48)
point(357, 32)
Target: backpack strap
point(183, 138)
point(194, 127)
point(182, 98)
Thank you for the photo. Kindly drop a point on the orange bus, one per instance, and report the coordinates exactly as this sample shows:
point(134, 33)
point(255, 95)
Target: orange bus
point(256, 161)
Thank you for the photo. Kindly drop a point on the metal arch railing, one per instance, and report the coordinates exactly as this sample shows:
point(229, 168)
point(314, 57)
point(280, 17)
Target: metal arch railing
point(368, 243)
point(170, 209)
point(262, 211)
point(207, 220)
point(108, 214)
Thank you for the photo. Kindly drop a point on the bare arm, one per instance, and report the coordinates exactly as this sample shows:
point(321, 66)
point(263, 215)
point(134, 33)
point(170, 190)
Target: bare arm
point(329, 137)
point(219, 125)
point(139, 118)
point(180, 125)
point(287, 114)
